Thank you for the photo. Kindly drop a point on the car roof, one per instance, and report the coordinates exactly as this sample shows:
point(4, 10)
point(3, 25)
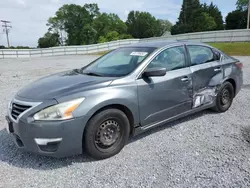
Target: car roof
point(163, 43)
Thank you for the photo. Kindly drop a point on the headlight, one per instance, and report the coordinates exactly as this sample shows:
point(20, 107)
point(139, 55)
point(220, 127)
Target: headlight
point(60, 111)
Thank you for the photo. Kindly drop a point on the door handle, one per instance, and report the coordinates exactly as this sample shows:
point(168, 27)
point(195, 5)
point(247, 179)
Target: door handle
point(217, 69)
point(185, 79)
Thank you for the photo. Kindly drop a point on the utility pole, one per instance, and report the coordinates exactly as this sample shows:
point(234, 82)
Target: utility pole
point(248, 16)
point(6, 29)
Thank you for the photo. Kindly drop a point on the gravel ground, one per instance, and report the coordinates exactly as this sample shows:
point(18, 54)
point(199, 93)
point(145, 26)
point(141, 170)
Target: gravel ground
point(202, 150)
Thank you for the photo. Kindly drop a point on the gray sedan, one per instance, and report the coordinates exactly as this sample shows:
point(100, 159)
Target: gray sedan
point(96, 108)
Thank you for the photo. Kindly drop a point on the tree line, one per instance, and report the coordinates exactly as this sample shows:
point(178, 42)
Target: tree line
point(237, 19)
point(13, 47)
point(83, 25)
point(196, 17)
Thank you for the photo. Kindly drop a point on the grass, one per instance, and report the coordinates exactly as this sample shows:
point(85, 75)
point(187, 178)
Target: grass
point(99, 53)
point(233, 48)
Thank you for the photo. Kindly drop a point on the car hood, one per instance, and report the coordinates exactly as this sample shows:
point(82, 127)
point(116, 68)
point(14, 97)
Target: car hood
point(62, 84)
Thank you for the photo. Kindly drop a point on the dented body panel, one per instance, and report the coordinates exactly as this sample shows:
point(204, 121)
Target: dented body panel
point(164, 98)
point(208, 77)
point(205, 83)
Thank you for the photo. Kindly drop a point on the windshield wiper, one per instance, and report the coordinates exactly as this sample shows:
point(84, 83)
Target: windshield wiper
point(92, 74)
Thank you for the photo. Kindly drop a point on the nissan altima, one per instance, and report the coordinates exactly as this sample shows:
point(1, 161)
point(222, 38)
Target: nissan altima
point(96, 108)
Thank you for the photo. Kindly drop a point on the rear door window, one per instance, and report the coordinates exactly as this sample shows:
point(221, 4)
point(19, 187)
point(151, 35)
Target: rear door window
point(200, 54)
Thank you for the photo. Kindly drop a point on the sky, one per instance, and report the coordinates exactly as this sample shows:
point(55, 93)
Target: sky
point(29, 17)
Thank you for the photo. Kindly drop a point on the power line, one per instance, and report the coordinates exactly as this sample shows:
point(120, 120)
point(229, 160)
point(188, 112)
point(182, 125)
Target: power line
point(6, 29)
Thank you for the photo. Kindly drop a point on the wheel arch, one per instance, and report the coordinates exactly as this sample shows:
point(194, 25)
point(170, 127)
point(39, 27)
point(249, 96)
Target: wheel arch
point(126, 110)
point(88, 144)
point(232, 81)
point(216, 81)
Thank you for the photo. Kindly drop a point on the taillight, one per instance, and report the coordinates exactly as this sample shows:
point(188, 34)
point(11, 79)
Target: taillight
point(239, 65)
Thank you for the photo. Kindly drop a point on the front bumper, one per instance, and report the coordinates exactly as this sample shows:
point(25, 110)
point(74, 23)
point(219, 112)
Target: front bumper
point(52, 138)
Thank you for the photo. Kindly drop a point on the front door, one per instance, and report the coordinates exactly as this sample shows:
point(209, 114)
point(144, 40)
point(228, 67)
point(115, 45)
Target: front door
point(161, 98)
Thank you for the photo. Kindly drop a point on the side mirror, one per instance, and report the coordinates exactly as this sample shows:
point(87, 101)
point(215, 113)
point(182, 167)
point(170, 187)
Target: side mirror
point(155, 72)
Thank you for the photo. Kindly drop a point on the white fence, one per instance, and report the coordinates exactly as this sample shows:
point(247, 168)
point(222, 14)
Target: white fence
point(211, 36)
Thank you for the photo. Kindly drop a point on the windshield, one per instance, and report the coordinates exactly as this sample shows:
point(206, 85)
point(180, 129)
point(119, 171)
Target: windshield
point(119, 62)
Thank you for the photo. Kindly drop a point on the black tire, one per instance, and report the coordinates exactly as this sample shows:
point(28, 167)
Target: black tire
point(226, 91)
point(106, 127)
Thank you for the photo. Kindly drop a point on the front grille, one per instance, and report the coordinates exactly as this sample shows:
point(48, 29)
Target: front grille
point(17, 109)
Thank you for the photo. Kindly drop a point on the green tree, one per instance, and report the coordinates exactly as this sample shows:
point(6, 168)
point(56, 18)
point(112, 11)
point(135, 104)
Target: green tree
point(165, 25)
point(204, 22)
point(112, 35)
point(102, 39)
point(143, 25)
point(57, 26)
point(117, 24)
point(22, 47)
point(236, 19)
point(88, 34)
point(215, 13)
point(195, 17)
point(13, 47)
point(180, 28)
point(190, 10)
point(74, 20)
point(126, 36)
point(77, 25)
point(106, 23)
point(92, 9)
point(242, 4)
point(49, 40)
point(102, 24)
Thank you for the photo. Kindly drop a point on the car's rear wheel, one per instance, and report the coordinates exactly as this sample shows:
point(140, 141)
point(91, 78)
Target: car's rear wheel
point(224, 97)
point(106, 133)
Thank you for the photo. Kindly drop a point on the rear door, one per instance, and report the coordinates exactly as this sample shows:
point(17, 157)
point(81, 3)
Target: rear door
point(206, 71)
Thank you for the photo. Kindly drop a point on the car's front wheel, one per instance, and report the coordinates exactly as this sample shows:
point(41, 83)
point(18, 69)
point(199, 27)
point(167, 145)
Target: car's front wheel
point(106, 133)
point(224, 97)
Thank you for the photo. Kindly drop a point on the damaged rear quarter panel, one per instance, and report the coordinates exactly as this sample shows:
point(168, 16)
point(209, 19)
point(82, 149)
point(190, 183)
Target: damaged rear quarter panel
point(207, 80)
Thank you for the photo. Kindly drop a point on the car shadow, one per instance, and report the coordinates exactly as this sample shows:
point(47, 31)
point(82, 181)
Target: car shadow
point(170, 125)
point(245, 131)
point(10, 154)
